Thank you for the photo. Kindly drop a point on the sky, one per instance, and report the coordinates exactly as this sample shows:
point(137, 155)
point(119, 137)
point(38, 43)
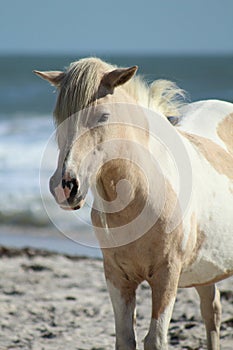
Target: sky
point(120, 26)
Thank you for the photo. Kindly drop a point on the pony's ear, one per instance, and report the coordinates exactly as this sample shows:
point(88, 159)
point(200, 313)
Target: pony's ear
point(118, 76)
point(54, 77)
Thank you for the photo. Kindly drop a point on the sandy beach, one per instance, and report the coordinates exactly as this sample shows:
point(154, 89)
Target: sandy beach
point(53, 301)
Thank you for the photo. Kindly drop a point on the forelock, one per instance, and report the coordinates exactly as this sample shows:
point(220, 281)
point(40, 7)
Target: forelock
point(79, 87)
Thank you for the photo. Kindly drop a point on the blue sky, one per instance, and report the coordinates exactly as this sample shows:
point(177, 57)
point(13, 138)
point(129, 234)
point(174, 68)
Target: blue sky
point(120, 26)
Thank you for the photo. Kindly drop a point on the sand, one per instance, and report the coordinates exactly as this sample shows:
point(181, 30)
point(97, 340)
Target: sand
point(51, 301)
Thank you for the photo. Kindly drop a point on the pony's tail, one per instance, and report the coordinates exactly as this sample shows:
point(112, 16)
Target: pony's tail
point(166, 97)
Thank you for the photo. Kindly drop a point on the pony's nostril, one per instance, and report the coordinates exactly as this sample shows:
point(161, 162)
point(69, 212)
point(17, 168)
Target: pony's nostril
point(73, 187)
point(68, 184)
point(70, 187)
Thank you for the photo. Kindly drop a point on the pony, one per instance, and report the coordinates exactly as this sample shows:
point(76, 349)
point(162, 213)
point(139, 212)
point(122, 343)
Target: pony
point(146, 232)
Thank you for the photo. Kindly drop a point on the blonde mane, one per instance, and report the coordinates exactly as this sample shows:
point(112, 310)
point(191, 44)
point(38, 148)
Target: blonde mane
point(81, 81)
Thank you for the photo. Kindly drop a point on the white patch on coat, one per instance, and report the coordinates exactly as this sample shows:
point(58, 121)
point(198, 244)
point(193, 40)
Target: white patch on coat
point(212, 203)
point(212, 199)
point(202, 118)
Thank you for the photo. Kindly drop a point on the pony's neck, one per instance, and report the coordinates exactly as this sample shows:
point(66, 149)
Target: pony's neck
point(127, 186)
point(127, 193)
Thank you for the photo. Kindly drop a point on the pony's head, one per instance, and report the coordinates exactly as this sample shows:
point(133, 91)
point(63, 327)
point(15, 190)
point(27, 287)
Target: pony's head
point(87, 95)
point(99, 104)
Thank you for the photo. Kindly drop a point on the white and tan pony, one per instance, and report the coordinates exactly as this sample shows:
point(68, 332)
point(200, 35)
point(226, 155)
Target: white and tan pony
point(145, 231)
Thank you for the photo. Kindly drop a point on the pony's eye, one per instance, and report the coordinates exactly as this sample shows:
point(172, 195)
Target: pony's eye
point(104, 117)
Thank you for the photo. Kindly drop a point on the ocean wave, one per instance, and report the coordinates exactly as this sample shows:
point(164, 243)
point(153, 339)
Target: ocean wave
point(24, 218)
point(43, 213)
point(22, 142)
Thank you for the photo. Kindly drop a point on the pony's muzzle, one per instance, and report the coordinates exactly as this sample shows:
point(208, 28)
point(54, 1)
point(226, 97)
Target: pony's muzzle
point(66, 192)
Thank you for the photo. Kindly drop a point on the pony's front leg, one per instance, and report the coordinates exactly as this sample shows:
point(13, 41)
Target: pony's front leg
point(164, 288)
point(123, 301)
point(211, 313)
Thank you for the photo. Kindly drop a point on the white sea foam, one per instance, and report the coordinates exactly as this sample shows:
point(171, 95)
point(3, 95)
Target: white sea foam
point(22, 141)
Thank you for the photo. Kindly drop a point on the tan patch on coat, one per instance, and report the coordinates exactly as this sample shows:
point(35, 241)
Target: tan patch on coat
point(194, 244)
point(221, 160)
point(225, 131)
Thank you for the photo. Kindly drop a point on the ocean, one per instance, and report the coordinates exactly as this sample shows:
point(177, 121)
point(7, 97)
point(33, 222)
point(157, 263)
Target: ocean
point(26, 130)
